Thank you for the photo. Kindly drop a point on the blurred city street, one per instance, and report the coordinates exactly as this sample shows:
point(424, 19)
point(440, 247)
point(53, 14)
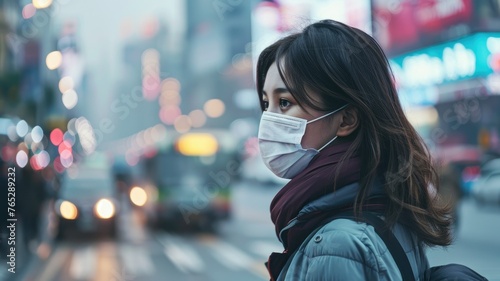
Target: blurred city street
point(476, 242)
point(237, 250)
point(128, 130)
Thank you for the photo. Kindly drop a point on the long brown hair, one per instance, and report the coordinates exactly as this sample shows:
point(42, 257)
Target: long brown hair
point(344, 65)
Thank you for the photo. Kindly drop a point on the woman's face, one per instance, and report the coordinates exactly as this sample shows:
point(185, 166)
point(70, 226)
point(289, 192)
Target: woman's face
point(277, 99)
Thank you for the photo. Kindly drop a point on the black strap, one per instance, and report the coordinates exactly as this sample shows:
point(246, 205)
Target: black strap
point(391, 242)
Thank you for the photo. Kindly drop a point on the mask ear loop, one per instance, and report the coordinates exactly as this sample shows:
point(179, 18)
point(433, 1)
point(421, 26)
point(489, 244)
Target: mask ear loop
point(327, 143)
point(328, 114)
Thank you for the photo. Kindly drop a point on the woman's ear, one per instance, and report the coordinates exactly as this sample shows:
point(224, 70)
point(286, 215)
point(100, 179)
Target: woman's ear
point(349, 121)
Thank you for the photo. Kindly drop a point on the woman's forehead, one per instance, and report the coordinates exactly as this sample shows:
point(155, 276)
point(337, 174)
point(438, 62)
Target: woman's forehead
point(273, 79)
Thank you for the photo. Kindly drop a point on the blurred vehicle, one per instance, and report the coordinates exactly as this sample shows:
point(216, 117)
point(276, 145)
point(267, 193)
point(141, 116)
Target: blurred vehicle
point(190, 180)
point(463, 162)
point(87, 202)
point(487, 188)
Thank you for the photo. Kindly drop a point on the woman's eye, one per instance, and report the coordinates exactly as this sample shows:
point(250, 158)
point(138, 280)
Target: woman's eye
point(284, 103)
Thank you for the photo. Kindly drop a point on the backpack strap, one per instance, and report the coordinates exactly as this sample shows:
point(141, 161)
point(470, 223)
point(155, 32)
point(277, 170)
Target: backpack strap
point(391, 242)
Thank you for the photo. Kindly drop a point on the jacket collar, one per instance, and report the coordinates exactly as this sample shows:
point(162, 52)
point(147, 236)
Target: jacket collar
point(342, 197)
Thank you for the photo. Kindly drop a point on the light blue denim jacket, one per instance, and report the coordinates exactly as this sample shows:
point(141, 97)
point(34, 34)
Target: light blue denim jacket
point(344, 249)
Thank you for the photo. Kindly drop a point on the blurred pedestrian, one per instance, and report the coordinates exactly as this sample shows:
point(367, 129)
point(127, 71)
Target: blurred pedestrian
point(333, 124)
point(450, 191)
point(30, 196)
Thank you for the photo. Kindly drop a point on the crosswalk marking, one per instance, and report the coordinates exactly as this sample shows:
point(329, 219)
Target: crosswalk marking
point(106, 263)
point(130, 217)
point(181, 255)
point(230, 256)
point(55, 263)
point(136, 260)
point(265, 248)
point(83, 263)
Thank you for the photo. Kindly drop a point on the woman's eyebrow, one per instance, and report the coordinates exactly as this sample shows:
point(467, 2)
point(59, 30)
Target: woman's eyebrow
point(281, 90)
point(277, 91)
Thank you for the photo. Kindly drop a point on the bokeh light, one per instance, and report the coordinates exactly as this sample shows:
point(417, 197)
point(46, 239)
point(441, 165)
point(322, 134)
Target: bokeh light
point(53, 60)
point(56, 136)
point(86, 135)
point(138, 196)
point(63, 146)
point(42, 159)
point(132, 158)
point(34, 163)
point(170, 98)
point(158, 132)
point(72, 126)
point(68, 210)
point(22, 146)
point(66, 83)
point(22, 128)
point(139, 139)
point(104, 209)
point(148, 137)
point(21, 158)
point(170, 84)
point(214, 108)
point(198, 118)
point(28, 11)
point(168, 114)
point(12, 134)
point(70, 99)
point(151, 74)
point(28, 140)
point(66, 158)
point(37, 134)
point(42, 4)
point(182, 124)
point(69, 138)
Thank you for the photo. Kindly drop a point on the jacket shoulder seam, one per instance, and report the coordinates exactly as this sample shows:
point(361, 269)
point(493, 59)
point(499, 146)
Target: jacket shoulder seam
point(357, 237)
point(344, 257)
point(361, 236)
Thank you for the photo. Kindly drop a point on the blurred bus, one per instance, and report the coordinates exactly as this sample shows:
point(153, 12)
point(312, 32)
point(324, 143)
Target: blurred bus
point(190, 178)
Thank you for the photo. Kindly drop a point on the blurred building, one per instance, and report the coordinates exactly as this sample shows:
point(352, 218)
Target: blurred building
point(217, 59)
point(445, 55)
point(203, 65)
point(23, 92)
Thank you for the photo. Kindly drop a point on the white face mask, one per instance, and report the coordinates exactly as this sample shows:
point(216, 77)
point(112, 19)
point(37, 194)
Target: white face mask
point(279, 142)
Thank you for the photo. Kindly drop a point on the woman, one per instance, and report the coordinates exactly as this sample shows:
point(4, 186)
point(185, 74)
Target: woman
point(333, 124)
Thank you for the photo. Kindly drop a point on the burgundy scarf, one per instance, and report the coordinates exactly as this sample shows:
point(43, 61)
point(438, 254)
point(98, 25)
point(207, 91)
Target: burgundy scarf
point(315, 181)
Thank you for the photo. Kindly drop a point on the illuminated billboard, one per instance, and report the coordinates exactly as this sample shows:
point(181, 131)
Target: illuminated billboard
point(418, 73)
point(406, 25)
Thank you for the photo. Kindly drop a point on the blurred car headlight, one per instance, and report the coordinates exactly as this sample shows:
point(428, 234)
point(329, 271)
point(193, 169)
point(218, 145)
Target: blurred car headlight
point(138, 196)
point(68, 210)
point(104, 209)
